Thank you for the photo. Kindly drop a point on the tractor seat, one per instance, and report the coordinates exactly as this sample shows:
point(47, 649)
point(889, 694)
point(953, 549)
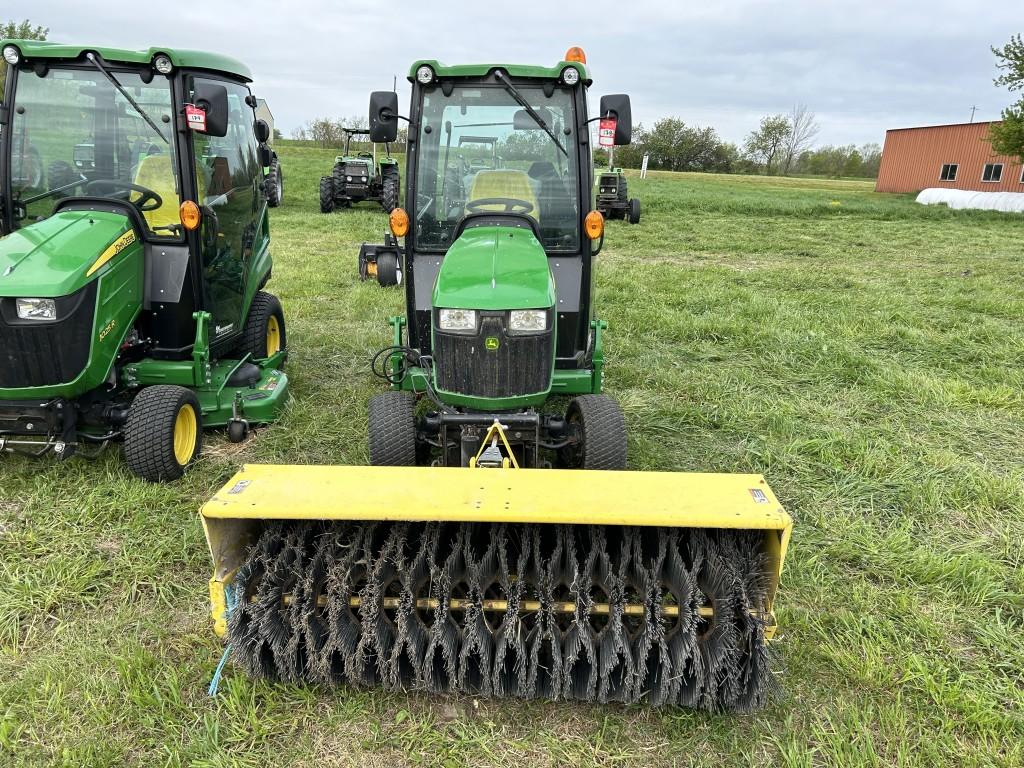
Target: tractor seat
point(514, 185)
point(155, 172)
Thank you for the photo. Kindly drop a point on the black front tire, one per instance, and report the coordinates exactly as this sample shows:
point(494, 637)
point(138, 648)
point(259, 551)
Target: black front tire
point(264, 332)
point(388, 271)
point(392, 427)
point(164, 432)
point(275, 184)
point(634, 211)
point(598, 430)
point(326, 194)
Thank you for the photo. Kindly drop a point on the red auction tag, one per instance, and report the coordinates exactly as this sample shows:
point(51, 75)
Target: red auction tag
point(195, 117)
point(606, 132)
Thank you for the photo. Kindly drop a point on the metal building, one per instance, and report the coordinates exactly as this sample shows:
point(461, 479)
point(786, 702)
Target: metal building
point(946, 156)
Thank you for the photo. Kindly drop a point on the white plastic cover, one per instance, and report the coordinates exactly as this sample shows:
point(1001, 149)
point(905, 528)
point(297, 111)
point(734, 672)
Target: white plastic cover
point(1009, 202)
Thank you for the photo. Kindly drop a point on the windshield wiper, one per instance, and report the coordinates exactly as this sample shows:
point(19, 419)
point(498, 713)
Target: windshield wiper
point(113, 81)
point(515, 94)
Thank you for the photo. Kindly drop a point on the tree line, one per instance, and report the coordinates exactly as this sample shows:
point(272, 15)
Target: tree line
point(782, 144)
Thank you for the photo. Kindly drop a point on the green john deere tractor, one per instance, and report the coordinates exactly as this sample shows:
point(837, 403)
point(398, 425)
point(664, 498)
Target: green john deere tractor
point(132, 266)
point(359, 177)
point(498, 545)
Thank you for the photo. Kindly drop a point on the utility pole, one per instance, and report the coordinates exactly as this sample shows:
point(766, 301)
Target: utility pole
point(973, 108)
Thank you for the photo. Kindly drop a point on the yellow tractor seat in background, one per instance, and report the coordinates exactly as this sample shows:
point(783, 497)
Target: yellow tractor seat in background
point(511, 185)
point(155, 173)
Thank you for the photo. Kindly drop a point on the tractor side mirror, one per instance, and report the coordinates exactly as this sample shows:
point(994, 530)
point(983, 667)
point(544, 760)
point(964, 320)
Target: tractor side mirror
point(383, 117)
point(617, 106)
point(213, 99)
point(262, 131)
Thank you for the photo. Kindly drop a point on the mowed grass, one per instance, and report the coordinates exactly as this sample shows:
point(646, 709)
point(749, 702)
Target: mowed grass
point(863, 352)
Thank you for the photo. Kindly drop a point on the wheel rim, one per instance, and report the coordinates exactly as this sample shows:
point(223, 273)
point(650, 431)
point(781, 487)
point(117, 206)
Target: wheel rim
point(273, 336)
point(186, 427)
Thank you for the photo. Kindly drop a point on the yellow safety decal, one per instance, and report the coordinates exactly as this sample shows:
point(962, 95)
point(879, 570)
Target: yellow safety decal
point(115, 248)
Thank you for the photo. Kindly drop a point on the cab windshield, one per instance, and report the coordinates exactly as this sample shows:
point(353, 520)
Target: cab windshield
point(74, 133)
point(481, 151)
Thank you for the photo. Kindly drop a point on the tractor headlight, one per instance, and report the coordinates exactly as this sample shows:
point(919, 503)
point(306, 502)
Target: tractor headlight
point(11, 55)
point(348, 178)
point(457, 319)
point(425, 75)
point(37, 309)
point(570, 76)
point(528, 320)
point(163, 64)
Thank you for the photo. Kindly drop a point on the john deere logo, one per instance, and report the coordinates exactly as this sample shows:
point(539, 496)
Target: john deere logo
point(492, 343)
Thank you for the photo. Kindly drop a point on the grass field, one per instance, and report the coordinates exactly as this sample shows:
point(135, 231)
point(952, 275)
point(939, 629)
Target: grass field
point(865, 353)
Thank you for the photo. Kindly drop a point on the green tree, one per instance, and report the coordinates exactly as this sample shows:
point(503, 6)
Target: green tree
point(1007, 137)
point(765, 146)
point(13, 30)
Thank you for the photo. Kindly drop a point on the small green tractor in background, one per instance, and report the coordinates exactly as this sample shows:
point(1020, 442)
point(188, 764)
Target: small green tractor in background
point(357, 178)
point(134, 249)
point(613, 200)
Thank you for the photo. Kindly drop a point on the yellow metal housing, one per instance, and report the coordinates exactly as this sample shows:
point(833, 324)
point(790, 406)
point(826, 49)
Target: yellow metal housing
point(258, 492)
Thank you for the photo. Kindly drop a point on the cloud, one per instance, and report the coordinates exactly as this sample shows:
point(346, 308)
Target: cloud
point(862, 67)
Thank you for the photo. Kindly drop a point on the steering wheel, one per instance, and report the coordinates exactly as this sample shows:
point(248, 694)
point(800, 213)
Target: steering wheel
point(125, 189)
point(512, 205)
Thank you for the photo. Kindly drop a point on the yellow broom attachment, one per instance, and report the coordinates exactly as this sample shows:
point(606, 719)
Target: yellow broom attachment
point(651, 587)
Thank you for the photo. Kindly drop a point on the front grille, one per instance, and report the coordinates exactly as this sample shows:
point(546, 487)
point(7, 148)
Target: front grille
point(521, 365)
point(357, 171)
point(36, 354)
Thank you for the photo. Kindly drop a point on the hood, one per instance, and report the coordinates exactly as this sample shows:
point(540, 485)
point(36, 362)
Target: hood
point(495, 267)
point(57, 256)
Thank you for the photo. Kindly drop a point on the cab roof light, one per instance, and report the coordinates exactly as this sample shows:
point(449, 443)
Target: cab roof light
point(576, 54)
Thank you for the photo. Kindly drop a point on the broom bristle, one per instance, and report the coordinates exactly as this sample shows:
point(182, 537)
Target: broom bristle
point(589, 613)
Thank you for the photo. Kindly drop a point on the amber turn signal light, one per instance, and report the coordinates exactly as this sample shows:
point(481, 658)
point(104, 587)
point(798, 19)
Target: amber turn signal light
point(190, 215)
point(399, 221)
point(594, 225)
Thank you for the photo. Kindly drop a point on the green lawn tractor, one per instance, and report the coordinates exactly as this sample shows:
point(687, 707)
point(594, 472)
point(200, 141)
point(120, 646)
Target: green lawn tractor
point(359, 177)
point(498, 545)
point(613, 200)
point(132, 268)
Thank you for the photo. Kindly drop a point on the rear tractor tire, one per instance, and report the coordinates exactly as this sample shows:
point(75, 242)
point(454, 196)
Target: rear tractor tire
point(392, 427)
point(264, 332)
point(326, 194)
point(164, 432)
point(598, 430)
point(634, 211)
point(389, 192)
point(388, 271)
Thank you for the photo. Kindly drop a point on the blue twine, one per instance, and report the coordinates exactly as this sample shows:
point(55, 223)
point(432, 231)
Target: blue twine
point(229, 603)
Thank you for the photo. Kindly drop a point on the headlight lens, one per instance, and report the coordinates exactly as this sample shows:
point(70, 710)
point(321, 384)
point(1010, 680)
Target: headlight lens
point(425, 75)
point(457, 319)
point(528, 320)
point(11, 55)
point(37, 309)
point(570, 76)
point(348, 178)
point(163, 64)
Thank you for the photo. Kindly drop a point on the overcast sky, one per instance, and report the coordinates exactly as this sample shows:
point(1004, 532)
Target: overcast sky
point(861, 66)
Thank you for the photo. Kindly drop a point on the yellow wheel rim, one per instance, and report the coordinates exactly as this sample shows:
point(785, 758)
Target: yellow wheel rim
point(273, 336)
point(186, 427)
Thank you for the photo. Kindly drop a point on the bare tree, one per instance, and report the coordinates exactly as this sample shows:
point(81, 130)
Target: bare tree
point(802, 130)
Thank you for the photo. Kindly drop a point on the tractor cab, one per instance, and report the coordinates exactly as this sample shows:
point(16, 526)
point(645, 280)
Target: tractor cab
point(133, 240)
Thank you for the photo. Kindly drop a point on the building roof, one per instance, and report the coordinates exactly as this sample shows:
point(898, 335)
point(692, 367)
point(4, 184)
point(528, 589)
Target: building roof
point(263, 103)
point(38, 49)
point(943, 125)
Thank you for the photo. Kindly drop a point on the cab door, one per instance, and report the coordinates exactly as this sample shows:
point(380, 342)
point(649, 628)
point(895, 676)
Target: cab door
point(227, 183)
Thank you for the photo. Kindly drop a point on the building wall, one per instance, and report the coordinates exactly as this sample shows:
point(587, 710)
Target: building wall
point(912, 159)
point(263, 113)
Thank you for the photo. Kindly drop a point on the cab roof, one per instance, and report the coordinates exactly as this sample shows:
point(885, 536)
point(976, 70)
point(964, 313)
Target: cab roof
point(181, 58)
point(514, 70)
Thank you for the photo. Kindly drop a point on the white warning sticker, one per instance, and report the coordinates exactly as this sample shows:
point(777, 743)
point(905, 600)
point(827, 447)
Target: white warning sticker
point(759, 495)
